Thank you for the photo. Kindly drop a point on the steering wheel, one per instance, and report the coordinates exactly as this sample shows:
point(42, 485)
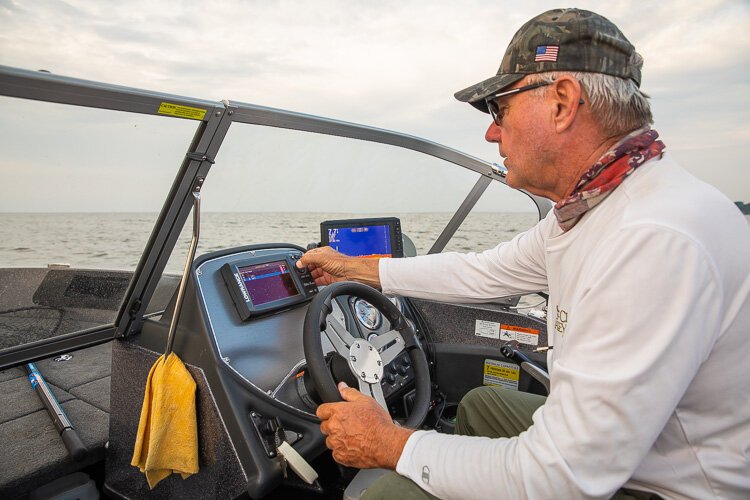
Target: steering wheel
point(366, 359)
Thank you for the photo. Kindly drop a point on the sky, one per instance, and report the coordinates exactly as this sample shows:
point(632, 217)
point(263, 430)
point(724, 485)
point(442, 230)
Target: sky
point(392, 64)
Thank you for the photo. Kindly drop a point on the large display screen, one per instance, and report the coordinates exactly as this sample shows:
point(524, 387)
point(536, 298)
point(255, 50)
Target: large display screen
point(362, 241)
point(268, 282)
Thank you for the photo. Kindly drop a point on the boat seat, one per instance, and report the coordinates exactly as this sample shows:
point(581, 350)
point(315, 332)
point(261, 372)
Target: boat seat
point(33, 453)
point(361, 482)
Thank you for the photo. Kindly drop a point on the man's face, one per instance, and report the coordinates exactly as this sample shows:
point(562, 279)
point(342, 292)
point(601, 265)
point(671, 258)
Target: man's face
point(523, 138)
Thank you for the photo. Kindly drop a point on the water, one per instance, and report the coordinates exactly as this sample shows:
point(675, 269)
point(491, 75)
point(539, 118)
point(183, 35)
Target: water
point(116, 240)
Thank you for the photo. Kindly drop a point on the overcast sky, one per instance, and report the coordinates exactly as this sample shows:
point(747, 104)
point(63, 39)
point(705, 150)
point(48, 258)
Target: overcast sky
point(390, 64)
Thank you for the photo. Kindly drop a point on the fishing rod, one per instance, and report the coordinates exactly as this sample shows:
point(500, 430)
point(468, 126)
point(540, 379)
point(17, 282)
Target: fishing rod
point(73, 443)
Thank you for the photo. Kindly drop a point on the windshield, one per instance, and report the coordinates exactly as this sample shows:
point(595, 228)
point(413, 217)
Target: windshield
point(82, 189)
point(85, 193)
point(277, 185)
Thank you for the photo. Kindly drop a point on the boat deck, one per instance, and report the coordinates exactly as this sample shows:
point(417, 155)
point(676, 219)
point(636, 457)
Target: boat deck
point(33, 453)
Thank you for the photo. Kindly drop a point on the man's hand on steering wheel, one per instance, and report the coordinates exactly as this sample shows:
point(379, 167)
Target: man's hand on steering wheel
point(360, 432)
point(359, 429)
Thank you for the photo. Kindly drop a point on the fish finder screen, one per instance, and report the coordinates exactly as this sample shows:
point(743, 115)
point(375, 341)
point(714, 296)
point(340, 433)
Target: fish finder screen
point(268, 282)
point(361, 241)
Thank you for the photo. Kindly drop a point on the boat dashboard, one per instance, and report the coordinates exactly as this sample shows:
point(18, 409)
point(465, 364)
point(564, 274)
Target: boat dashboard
point(266, 345)
point(253, 301)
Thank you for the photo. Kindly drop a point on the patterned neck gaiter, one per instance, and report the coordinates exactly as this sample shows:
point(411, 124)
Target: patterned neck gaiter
point(607, 173)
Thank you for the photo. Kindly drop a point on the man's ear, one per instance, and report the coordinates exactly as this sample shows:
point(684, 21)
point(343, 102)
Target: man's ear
point(566, 92)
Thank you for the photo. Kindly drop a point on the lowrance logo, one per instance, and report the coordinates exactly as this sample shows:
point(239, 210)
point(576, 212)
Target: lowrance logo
point(242, 287)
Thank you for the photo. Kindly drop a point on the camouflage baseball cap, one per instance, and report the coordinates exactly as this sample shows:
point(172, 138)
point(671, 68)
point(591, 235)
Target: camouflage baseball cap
point(560, 40)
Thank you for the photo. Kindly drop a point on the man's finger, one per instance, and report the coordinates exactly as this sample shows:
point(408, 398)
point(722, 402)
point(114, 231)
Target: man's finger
point(349, 393)
point(306, 259)
point(324, 427)
point(329, 443)
point(325, 411)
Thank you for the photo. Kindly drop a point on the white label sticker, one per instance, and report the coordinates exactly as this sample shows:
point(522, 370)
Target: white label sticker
point(501, 373)
point(522, 335)
point(488, 329)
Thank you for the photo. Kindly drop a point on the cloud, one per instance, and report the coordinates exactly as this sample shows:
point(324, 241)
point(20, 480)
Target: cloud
point(390, 64)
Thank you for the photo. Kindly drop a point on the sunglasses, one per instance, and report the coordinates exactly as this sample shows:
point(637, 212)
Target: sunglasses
point(497, 111)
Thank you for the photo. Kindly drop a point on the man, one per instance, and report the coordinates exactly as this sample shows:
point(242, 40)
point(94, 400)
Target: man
point(649, 300)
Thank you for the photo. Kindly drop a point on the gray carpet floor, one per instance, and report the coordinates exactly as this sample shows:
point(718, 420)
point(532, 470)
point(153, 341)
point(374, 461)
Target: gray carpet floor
point(31, 450)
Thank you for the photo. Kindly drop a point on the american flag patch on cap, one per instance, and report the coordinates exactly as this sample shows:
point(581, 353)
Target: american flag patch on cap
point(546, 53)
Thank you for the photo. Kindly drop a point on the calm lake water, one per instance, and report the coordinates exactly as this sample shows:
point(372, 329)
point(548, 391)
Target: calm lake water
point(116, 240)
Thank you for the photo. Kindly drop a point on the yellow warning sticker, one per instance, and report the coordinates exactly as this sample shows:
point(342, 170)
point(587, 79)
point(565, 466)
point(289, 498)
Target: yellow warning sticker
point(522, 335)
point(167, 108)
point(501, 373)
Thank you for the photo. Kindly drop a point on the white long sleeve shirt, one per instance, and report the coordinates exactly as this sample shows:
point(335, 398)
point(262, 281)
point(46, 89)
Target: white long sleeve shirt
point(649, 314)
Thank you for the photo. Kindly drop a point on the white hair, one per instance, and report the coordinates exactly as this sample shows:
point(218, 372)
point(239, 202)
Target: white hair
point(617, 104)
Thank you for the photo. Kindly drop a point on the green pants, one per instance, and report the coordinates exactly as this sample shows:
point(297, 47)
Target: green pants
point(484, 411)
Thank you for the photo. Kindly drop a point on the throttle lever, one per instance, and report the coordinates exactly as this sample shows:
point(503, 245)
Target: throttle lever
point(537, 372)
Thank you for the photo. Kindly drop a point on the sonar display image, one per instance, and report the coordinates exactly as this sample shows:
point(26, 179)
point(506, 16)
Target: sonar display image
point(362, 241)
point(268, 282)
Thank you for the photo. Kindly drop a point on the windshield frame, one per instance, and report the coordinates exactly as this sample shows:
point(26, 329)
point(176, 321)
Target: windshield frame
point(215, 120)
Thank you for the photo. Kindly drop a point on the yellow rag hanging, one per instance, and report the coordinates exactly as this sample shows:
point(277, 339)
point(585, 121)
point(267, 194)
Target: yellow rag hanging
point(167, 439)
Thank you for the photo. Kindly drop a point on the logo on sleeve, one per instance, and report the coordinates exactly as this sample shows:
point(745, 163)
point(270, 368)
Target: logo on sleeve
point(426, 475)
point(561, 322)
